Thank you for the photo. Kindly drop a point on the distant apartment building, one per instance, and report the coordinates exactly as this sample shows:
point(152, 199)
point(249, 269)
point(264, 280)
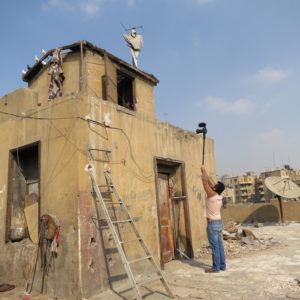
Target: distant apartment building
point(260, 189)
point(228, 196)
point(251, 188)
point(243, 188)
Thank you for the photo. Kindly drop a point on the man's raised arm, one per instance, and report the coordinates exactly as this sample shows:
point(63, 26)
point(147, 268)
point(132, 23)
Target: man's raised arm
point(207, 184)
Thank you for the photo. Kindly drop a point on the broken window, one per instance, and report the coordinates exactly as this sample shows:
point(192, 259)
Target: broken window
point(118, 85)
point(125, 90)
point(23, 193)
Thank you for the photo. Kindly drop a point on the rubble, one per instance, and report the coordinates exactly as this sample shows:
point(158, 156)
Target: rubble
point(275, 284)
point(258, 225)
point(246, 245)
point(239, 240)
point(231, 226)
point(249, 234)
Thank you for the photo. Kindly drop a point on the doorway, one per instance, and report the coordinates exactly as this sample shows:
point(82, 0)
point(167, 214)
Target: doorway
point(172, 205)
point(23, 192)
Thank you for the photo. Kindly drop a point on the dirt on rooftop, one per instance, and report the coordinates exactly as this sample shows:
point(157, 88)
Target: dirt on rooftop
point(265, 268)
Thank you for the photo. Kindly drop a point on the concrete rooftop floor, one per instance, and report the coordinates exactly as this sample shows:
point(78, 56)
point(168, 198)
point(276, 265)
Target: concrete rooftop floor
point(270, 274)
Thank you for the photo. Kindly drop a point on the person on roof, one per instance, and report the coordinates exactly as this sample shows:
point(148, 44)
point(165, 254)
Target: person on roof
point(214, 228)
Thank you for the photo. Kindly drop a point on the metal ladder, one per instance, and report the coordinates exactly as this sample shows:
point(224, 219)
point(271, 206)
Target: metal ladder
point(119, 243)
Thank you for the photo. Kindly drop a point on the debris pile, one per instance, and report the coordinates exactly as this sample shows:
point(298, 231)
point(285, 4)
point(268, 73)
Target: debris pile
point(238, 240)
point(282, 284)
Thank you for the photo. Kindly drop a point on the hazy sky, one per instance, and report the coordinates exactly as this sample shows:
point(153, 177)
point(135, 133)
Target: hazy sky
point(234, 64)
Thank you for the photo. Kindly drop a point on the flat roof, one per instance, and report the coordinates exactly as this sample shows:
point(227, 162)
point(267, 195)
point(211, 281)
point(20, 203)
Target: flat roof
point(32, 71)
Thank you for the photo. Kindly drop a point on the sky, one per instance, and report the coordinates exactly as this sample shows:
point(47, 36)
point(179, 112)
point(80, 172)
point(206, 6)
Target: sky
point(234, 64)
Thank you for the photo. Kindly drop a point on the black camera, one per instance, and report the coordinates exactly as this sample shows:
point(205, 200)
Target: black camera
point(202, 128)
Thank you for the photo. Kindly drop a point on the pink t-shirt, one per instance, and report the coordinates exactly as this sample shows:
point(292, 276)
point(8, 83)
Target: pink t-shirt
point(213, 207)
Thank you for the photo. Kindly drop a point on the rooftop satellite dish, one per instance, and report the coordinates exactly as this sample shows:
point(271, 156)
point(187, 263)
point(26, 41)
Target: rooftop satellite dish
point(283, 187)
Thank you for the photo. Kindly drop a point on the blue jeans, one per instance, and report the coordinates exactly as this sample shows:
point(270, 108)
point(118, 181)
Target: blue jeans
point(215, 237)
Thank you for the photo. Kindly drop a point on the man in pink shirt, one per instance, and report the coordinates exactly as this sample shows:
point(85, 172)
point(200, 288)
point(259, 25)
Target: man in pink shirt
point(214, 228)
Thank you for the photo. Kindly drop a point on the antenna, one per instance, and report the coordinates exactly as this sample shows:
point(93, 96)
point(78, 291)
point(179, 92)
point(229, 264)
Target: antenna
point(128, 30)
point(125, 29)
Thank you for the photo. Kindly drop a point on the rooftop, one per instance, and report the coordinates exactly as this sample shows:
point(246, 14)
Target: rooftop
point(254, 273)
point(79, 46)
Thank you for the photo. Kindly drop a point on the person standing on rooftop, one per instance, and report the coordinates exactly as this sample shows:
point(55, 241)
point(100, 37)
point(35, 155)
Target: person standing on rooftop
point(213, 204)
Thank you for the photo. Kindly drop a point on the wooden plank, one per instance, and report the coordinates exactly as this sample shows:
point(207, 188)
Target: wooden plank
point(166, 226)
point(110, 80)
point(32, 216)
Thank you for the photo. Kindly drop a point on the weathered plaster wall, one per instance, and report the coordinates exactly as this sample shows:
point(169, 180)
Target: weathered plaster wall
point(58, 186)
point(94, 69)
point(71, 67)
point(135, 139)
point(262, 212)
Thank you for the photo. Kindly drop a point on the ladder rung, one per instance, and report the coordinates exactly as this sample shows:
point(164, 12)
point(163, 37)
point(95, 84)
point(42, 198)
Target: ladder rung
point(179, 197)
point(150, 279)
point(129, 241)
point(105, 185)
point(110, 202)
point(101, 220)
point(116, 208)
point(122, 221)
point(139, 259)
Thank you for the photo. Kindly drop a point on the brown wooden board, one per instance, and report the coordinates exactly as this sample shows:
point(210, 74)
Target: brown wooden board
point(110, 80)
point(166, 226)
point(32, 216)
point(4, 287)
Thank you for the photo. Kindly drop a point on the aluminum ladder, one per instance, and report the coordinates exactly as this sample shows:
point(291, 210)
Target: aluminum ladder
point(118, 242)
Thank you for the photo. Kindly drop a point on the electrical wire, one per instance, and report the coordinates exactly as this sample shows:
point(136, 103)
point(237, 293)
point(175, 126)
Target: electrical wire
point(129, 143)
point(91, 121)
point(36, 118)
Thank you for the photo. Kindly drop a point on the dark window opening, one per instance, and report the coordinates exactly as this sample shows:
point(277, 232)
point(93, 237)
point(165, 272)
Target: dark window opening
point(23, 193)
point(125, 90)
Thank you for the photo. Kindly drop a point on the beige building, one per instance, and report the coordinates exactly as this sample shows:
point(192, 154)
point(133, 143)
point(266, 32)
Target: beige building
point(229, 196)
point(286, 172)
point(244, 187)
point(103, 114)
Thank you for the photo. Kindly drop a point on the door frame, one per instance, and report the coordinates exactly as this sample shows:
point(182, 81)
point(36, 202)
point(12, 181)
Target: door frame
point(9, 185)
point(172, 163)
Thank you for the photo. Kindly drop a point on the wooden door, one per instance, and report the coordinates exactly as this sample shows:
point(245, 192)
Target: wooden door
point(165, 218)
